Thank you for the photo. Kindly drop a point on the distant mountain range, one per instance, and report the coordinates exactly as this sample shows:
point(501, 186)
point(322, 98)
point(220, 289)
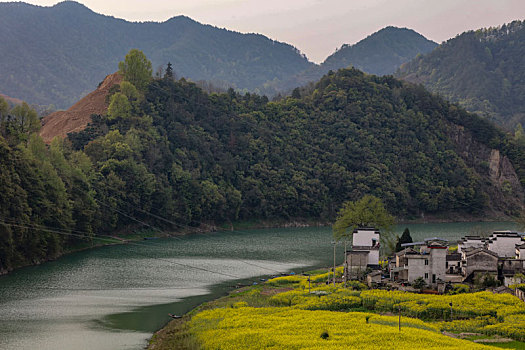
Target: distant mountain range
point(483, 70)
point(56, 55)
point(382, 52)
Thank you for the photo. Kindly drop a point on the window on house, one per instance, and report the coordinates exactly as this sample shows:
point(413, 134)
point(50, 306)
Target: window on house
point(426, 275)
point(426, 261)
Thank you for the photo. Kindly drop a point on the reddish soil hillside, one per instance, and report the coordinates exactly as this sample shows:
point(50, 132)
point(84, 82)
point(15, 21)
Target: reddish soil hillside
point(78, 116)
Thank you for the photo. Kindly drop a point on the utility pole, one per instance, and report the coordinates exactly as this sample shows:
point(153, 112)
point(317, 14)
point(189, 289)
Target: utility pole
point(345, 267)
point(335, 243)
point(399, 307)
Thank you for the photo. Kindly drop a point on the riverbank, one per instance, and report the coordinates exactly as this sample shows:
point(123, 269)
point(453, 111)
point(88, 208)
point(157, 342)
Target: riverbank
point(134, 233)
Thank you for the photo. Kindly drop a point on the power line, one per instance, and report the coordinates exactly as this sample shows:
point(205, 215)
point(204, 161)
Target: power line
point(168, 221)
point(130, 243)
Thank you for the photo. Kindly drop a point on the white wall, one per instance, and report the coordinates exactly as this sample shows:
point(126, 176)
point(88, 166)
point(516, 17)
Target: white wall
point(365, 238)
point(373, 257)
point(438, 262)
point(504, 246)
point(417, 268)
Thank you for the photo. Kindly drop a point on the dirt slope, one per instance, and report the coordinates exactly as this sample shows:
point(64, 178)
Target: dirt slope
point(78, 116)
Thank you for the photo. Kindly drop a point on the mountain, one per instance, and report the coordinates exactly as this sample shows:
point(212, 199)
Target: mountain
point(12, 101)
point(78, 116)
point(380, 53)
point(482, 70)
point(197, 159)
point(54, 55)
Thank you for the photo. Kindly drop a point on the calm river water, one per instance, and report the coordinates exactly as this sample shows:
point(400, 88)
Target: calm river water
point(115, 297)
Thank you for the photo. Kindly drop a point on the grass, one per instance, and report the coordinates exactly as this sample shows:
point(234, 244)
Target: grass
point(518, 345)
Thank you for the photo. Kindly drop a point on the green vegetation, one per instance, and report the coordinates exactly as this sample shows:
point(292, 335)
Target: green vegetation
point(72, 49)
point(482, 70)
point(405, 238)
point(369, 211)
point(136, 69)
point(380, 53)
point(196, 159)
point(283, 313)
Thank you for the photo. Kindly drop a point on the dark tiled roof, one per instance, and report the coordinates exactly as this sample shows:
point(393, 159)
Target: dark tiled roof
point(454, 257)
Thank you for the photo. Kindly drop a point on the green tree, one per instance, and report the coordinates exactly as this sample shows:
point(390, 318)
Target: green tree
point(405, 238)
point(4, 108)
point(169, 71)
point(119, 107)
point(136, 69)
point(369, 211)
point(419, 283)
point(24, 121)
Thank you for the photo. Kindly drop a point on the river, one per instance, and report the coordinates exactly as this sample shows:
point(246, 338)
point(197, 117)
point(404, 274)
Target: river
point(115, 297)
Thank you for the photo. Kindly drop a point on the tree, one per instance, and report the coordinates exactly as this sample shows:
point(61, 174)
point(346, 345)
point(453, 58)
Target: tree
point(405, 238)
point(24, 120)
point(169, 72)
point(419, 283)
point(136, 69)
point(119, 107)
point(366, 212)
point(4, 108)
point(296, 93)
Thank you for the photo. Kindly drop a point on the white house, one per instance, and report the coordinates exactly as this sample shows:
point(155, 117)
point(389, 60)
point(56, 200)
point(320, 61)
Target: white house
point(429, 263)
point(365, 250)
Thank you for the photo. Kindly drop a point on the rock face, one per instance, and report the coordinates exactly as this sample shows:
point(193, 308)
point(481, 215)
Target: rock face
point(78, 116)
point(499, 176)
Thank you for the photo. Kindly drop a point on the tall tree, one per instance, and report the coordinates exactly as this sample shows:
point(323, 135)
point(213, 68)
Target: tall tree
point(169, 71)
point(405, 238)
point(369, 211)
point(136, 69)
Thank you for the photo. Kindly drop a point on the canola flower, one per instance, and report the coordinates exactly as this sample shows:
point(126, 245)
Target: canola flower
point(288, 328)
point(483, 312)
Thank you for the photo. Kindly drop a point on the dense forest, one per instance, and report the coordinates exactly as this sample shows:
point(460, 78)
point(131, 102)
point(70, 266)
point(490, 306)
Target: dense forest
point(482, 70)
point(169, 148)
point(59, 53)
point(380, 53)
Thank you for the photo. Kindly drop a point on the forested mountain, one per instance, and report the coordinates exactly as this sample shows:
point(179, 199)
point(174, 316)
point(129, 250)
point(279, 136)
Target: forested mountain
point(380, 53)
point(482, 70)
point(191, 158)
point(55, 55)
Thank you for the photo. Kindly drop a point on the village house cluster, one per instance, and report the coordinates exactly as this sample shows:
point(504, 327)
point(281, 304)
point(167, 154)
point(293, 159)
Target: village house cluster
point(502, 256)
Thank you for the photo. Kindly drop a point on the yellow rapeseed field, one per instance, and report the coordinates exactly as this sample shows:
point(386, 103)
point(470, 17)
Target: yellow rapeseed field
point(288, 328)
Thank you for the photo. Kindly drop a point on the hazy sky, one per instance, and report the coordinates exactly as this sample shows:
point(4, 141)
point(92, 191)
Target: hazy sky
point(318, 27)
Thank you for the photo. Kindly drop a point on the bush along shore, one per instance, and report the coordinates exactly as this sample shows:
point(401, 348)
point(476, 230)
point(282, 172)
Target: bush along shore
point(297, 312)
